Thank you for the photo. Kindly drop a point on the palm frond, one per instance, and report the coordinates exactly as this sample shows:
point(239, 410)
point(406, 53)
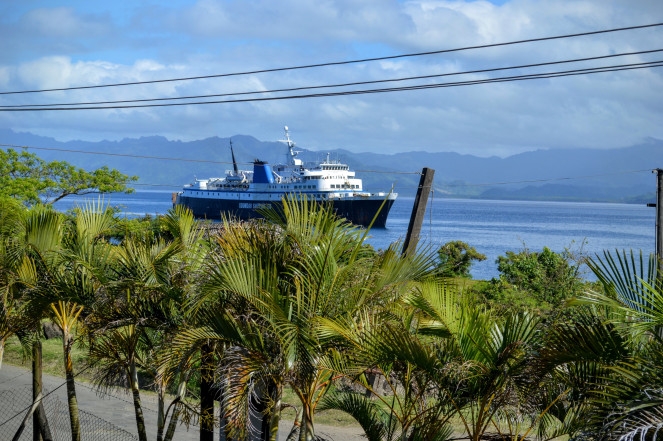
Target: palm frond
point(43, 229)
point(376, 423)
point(638, 419)
point(625, 276)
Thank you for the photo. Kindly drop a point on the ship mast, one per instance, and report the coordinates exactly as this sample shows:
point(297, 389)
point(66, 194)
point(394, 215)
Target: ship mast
point(232, 152)
point(292, 153)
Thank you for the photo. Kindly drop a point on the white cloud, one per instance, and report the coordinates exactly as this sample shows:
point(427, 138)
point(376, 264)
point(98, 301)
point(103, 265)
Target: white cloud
point(115, 43)
point(5, 76)
point(62, 22)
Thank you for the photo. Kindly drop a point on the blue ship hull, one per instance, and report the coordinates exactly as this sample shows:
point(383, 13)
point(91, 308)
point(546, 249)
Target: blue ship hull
point(359, 211)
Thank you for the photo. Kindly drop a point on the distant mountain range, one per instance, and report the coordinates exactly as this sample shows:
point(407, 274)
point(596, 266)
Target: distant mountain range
point(615, 175)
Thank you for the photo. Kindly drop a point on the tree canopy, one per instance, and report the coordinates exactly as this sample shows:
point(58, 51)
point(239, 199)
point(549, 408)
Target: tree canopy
point(295, 302)
point(26, 177)
point(455, 259)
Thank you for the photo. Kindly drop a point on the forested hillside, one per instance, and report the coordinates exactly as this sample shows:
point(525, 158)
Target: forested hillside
point(617, 175)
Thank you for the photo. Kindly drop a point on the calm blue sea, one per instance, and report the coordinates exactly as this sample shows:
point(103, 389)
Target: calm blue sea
point(492, 227)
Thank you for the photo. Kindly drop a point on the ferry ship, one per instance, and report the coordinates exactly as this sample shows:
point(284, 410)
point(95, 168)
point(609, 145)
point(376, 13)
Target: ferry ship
point(242, 193)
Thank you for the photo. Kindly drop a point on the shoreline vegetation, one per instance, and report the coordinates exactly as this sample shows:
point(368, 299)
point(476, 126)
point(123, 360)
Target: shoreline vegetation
point(458, 175)
point(295, 312)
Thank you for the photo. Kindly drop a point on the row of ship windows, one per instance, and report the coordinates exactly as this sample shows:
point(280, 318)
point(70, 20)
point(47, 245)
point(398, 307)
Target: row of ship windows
point(311, 187)
point(294, 186)
point(317, 178)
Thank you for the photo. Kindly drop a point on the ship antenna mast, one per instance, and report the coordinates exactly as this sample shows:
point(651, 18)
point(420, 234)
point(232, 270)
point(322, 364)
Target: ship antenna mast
point(288, 141)
point(292, 160)
point(232, 152)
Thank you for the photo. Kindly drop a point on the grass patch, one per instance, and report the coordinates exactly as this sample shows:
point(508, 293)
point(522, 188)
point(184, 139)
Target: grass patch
point(327, 417)
point(52, 356)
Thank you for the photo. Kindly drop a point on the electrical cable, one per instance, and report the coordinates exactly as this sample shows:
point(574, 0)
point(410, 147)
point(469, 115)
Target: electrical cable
point(163, 158)
point(121, 155)
point(108, 394)
point(359, 171)
point(358, 83)
point(546, 75)
point(337, 63)
point(486, 184)
point(21, 412)
point(568, 178)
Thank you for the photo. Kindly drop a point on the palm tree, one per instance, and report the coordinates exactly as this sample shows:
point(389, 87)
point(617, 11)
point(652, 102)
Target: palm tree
point(65, 280)
point(224, 317)
point(281, 287)
point(397, 356)
point(292, 282)
point(582, 360)
point(13, 319)
point(486, 360)
point(142, 309)
point(450, 359)
point(31, 241)
point(632, 297)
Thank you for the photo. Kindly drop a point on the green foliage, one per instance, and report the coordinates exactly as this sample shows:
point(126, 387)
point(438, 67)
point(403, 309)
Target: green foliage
point(548, 277)
point(19, 355)
point(26, 177)
point(146, 228)
point(297, 303)
point(455, 259)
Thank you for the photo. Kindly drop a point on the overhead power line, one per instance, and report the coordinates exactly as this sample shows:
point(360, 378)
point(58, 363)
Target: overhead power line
point(328, 86)
point(538, 181)
point(573, 72)
point(164, 158)
point(392, 172)
point(126, 155)
point(484, 184)
point(338, 63)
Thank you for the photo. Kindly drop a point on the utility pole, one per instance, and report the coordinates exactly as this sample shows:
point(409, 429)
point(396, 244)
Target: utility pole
point(659, 220)
point(418, 211)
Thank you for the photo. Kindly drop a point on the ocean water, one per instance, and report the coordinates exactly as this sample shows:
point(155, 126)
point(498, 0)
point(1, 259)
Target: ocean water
point(492, 227)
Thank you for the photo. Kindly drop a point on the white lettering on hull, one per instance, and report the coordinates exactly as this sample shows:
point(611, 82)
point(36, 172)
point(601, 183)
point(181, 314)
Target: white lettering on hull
point(252, 206)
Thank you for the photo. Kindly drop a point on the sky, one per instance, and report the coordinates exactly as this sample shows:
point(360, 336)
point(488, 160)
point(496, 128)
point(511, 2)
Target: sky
point(50, 44)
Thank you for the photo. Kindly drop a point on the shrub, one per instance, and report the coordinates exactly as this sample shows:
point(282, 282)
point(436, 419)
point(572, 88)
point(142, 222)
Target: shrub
point(455, 259)
point(549, 277)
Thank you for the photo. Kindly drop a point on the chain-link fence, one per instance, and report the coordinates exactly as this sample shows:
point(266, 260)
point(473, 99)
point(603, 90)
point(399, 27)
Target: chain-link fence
point(15, 404)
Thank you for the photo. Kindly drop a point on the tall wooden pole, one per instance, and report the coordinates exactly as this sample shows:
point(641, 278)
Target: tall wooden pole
point(418, 211)
point(659, 220)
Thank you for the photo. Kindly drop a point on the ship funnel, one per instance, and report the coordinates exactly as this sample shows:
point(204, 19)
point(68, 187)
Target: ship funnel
point(262, 173)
